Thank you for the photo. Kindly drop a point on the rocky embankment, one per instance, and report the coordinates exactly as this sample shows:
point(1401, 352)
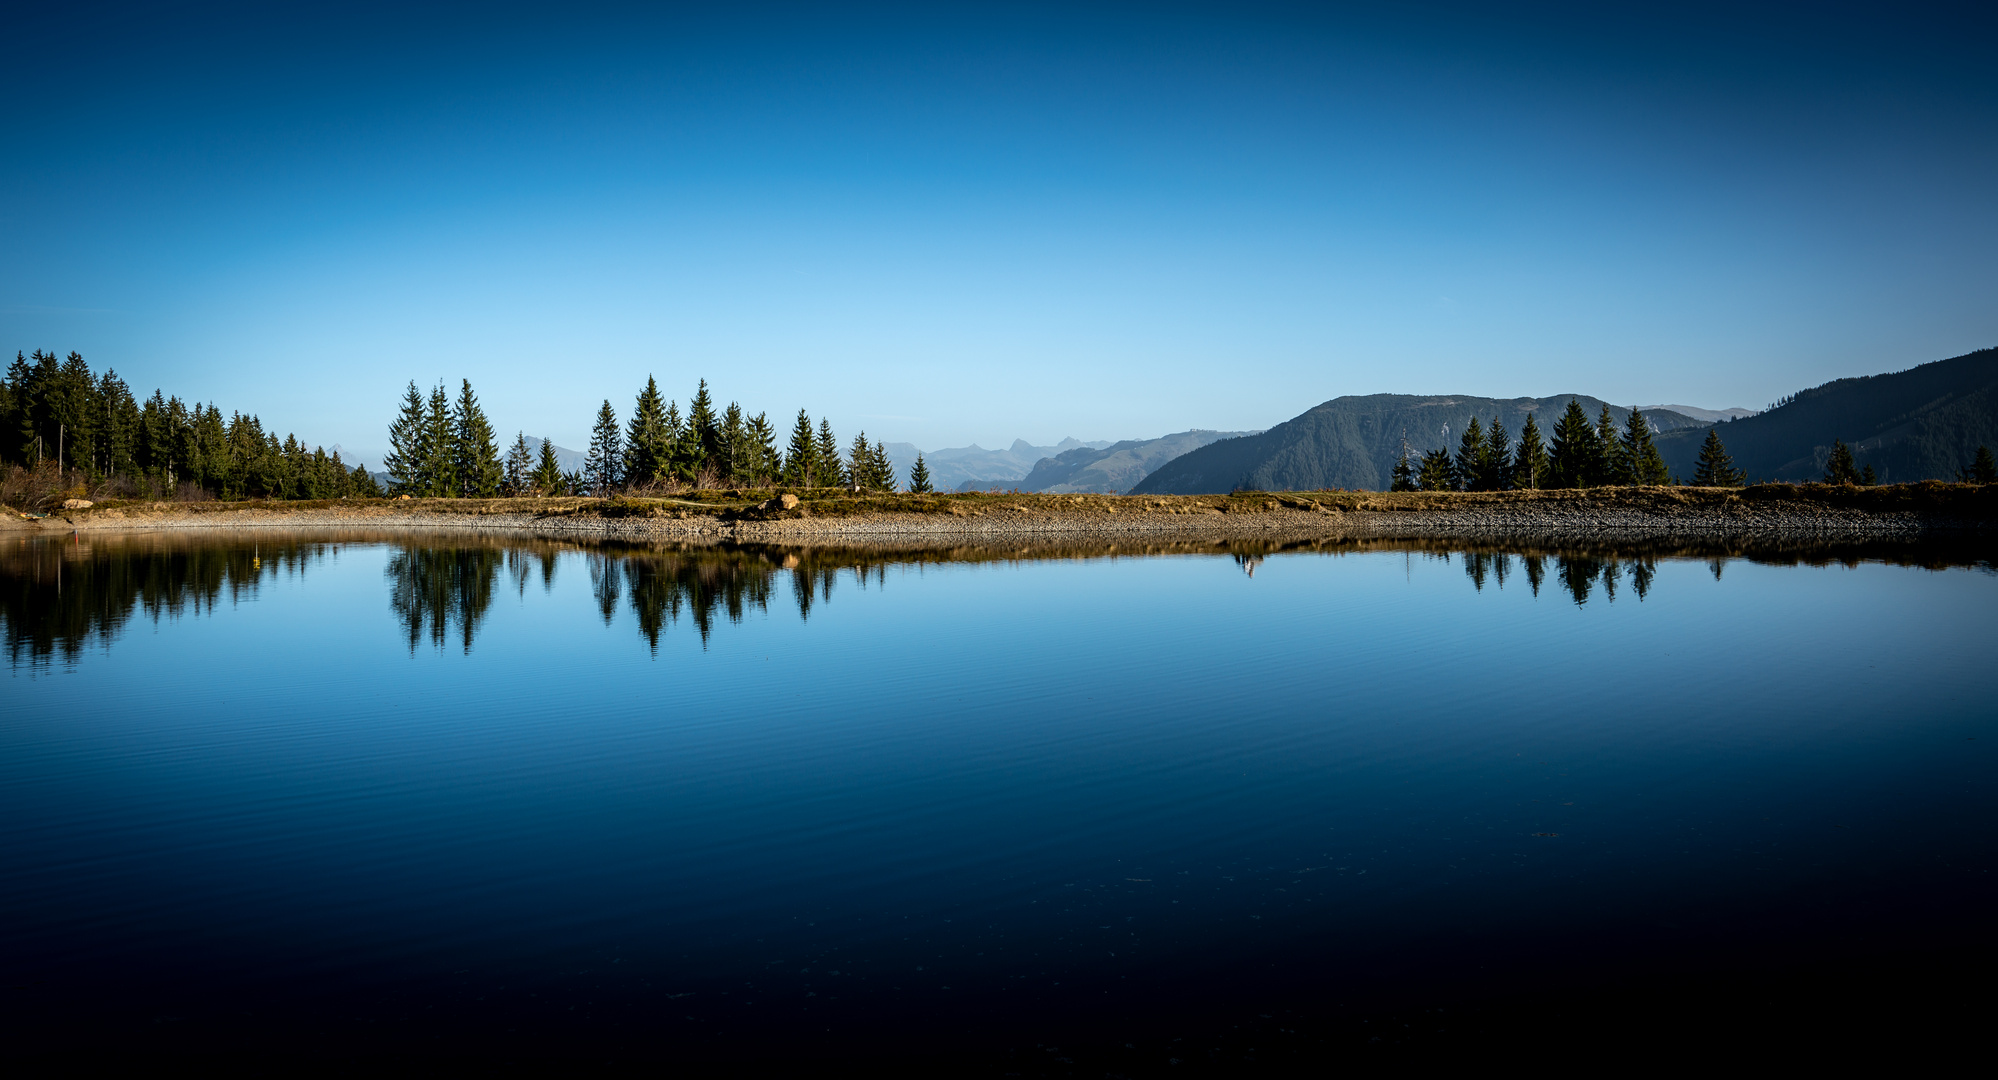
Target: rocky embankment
point(1905, 512)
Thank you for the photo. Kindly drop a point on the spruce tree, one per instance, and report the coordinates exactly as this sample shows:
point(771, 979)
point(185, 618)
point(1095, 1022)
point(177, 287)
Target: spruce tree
point(548, 471)
point(1572, 458)
point(764, 461)
point(440, 446)
point(1437, 473)
point(828, 470)
point(476, 462)
point(800, 458)
point(1498, 459)
point(606, 457)
point(884, 469)
point(1983, 469)
point(1867, 477)
point(1641, 454)
point(1471, 456)
point(1403, 477)
point(519, 466)
point(919, 477)
point(647, 446)
point(703, 428)
point(1715, 468)
point(404, 463)
point(860, 463)
point(1841, 469)
point(1613, 467)
point(736, 458)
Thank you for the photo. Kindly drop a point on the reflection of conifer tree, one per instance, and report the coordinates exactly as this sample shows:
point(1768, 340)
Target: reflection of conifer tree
point(801, 588)
point(1501, 566)
point(431, 589)
point(1641, 573)
point(1477, 564)
point(604, 585)
point(1578, 576)
point(1536, 571)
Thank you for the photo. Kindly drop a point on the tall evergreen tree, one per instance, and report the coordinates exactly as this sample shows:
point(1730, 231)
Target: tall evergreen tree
point(737, 459)
point(703, 427)
point(1471, 469)
point(1403, 478)
point(1498, 461)
point(800, 458)
point(1437, 473)
point(860, 462)
point(407, 456)
point(475, 462)
point(765, 461)
point(440, 446)
point(600, 469)
point(648, 445)
point(919, 477)
point(1841, 469)
point(1574, 455)
point(1715, 468)
point(828, 470)
point(1641, 454)
point(548, 470)
point(519, 466)
point(884, 469)
point(1983, 469)
point(1615, 466)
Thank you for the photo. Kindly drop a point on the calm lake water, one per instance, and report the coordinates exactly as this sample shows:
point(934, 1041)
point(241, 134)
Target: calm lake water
point(1031, 810)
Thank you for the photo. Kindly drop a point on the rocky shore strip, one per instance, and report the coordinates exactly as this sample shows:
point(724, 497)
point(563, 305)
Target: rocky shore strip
point(1817, 512)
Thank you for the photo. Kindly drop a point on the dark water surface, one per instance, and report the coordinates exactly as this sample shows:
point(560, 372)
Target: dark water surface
point(1033, 811)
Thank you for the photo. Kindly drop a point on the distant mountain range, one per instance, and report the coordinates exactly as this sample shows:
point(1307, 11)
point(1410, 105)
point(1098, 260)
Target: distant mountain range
point(1117, 467)
point(974, 468)
point(1924, 423)
point(1353, 442)
point(1710, 416)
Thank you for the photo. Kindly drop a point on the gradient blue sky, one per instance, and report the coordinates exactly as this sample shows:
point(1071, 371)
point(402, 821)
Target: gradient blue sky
point(948, 223)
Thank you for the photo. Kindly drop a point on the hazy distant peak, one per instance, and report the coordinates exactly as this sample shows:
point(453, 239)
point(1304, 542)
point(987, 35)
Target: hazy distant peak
point(1697, 413)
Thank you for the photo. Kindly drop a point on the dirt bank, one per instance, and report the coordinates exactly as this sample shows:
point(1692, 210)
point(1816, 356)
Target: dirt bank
point(1813, 511)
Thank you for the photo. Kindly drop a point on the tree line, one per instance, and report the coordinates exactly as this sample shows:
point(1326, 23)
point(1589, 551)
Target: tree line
point(1579, 454)
point(72, 428)
point(441, 448)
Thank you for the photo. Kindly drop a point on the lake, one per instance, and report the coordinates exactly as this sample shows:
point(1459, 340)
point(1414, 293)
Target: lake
point(1031, 809)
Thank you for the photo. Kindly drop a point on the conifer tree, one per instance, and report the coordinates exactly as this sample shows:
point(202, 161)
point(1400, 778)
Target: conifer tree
point(765, 461)
point(1471, 456)
point(1715, 467)
point(828, 470)
point(548, 471)
point(1867, 477)
point(703, 428)
point(1841, 469)
point(1983, 470)
point(1640, 453)
point(1613, 467)
point(363, 484)
point(440, 448)
point(476, 462)
point(648, 447)
point(406, 456)
point(735, 459)
point(606, 457)
point(1498, 459)
point(1403, 478)
point(519, 466)
point(919, 477)
point(1572, 458)
point(884, 469)
point(860, 462)
point(1437, 473)
point(800, 458)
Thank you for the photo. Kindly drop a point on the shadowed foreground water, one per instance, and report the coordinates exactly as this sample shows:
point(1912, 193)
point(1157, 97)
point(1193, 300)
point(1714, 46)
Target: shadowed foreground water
point(1025, 809)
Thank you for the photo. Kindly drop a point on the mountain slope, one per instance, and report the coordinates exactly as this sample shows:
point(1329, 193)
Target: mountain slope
point(955, 467)
point(1352, 442)
point(1117, 467)
point(1920, 424)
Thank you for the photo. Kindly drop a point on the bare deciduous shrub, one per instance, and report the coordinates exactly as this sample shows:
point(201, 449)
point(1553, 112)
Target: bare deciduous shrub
point(36, 488)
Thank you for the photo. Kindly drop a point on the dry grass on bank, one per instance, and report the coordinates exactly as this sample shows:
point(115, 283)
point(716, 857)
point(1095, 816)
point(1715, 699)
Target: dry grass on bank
point(736, 504)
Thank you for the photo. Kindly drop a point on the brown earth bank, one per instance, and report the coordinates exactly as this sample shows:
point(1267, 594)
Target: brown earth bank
point(815, 517)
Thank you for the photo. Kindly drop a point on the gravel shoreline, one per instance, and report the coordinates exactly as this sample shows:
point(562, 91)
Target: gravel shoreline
point(1572, 516)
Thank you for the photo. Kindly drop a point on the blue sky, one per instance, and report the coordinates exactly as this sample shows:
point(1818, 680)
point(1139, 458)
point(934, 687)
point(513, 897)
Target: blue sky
point(948, 223)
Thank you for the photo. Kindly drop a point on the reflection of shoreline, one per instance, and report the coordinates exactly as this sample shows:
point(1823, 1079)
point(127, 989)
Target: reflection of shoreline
point(61, 593)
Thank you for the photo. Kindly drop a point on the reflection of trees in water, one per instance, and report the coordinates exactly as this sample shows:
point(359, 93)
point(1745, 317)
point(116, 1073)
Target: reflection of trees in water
point(58, 596)
point(435, 589)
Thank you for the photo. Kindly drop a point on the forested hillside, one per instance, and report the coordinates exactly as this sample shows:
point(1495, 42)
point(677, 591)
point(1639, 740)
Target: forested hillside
point(1924, 423)
point(1354, 442)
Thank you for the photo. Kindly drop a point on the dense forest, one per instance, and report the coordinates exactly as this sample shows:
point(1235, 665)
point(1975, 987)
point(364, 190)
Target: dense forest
point(442, 447)
point(67, 432)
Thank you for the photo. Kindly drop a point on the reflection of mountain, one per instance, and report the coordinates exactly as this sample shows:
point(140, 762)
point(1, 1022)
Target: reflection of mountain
point(433, 590)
